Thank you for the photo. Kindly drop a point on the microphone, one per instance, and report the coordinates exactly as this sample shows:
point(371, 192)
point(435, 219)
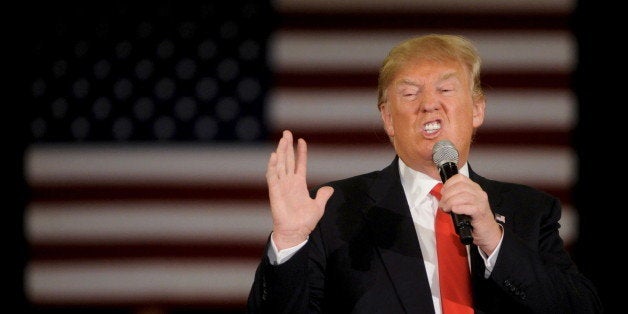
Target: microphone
point(445, 156)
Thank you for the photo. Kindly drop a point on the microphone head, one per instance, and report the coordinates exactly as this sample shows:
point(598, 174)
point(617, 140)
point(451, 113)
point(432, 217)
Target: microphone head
point(443, 152)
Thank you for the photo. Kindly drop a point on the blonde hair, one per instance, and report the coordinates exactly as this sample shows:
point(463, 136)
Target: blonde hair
point(434, 47)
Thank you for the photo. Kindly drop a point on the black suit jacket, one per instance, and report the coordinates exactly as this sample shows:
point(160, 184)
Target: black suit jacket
point(364, 257)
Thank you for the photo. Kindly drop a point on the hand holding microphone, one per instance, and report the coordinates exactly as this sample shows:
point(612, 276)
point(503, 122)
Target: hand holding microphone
point(445, 156)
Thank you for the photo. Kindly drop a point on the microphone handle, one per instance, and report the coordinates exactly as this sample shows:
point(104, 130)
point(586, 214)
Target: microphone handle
point(462, 223)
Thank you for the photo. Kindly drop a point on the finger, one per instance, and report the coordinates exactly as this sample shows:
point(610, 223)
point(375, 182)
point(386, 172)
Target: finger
point(289, 152)
point(465, 209)
point(301, 157)
point(281, 157)
point(455, 181)
point(271, 169)
point(323, 194)
point(456, 200)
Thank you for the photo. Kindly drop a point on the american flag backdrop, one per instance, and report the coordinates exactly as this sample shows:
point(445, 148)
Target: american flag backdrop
point(151, 123)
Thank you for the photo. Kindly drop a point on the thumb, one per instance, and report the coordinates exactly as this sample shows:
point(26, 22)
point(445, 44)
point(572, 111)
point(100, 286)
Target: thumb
point(323, 194)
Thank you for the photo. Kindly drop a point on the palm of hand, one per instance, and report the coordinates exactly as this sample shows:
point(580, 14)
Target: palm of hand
point(294, 212)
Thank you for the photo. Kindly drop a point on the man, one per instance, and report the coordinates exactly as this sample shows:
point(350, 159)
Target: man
point(368, 244)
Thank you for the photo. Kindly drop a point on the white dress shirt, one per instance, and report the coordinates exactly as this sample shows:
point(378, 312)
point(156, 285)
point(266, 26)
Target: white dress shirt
point(423, 206)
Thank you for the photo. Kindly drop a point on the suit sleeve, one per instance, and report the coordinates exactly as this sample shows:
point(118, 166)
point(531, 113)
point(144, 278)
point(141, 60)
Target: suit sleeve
point(295, 286)
point(535, 271)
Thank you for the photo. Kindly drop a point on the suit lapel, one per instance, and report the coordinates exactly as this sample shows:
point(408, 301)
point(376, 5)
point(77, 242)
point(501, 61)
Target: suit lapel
point(391, 223)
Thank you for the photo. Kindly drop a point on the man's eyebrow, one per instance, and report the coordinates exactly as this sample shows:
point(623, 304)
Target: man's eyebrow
point(447, 76)
point(407, 82)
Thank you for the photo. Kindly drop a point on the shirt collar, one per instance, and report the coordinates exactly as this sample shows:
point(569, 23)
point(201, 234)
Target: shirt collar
point(417, 185)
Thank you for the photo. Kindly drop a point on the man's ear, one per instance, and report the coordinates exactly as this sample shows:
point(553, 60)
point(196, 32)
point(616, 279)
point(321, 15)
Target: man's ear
point(479, 108)
point(386, 115)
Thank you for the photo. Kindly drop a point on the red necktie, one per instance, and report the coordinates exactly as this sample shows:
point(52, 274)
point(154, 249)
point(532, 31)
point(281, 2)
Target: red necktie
point(453, 266)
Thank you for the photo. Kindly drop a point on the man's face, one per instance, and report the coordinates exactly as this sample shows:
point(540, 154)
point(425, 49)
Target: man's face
point(428, 101)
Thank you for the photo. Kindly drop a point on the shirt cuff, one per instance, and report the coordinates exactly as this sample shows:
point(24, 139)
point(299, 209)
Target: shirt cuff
point(277, 257)
point(489, 261)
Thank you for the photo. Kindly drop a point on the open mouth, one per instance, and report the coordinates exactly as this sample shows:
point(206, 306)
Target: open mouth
point(431, 127)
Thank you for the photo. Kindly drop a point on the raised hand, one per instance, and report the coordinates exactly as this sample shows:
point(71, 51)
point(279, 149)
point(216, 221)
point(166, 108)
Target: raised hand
point(294, 212)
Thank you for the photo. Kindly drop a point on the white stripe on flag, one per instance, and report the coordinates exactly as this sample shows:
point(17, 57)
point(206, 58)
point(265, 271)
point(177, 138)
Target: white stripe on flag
point(364, 51)
point(235, 164)
point(346, 109)
point(138, 281)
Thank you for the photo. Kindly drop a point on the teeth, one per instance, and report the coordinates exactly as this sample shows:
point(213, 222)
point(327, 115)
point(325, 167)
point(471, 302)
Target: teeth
point(431, 127)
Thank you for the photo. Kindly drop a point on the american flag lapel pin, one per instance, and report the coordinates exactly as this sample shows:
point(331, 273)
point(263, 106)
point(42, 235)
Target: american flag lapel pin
point(500, 218)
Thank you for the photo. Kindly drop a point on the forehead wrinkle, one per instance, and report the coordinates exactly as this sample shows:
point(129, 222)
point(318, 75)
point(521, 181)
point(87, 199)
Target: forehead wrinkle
point(443, 77)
